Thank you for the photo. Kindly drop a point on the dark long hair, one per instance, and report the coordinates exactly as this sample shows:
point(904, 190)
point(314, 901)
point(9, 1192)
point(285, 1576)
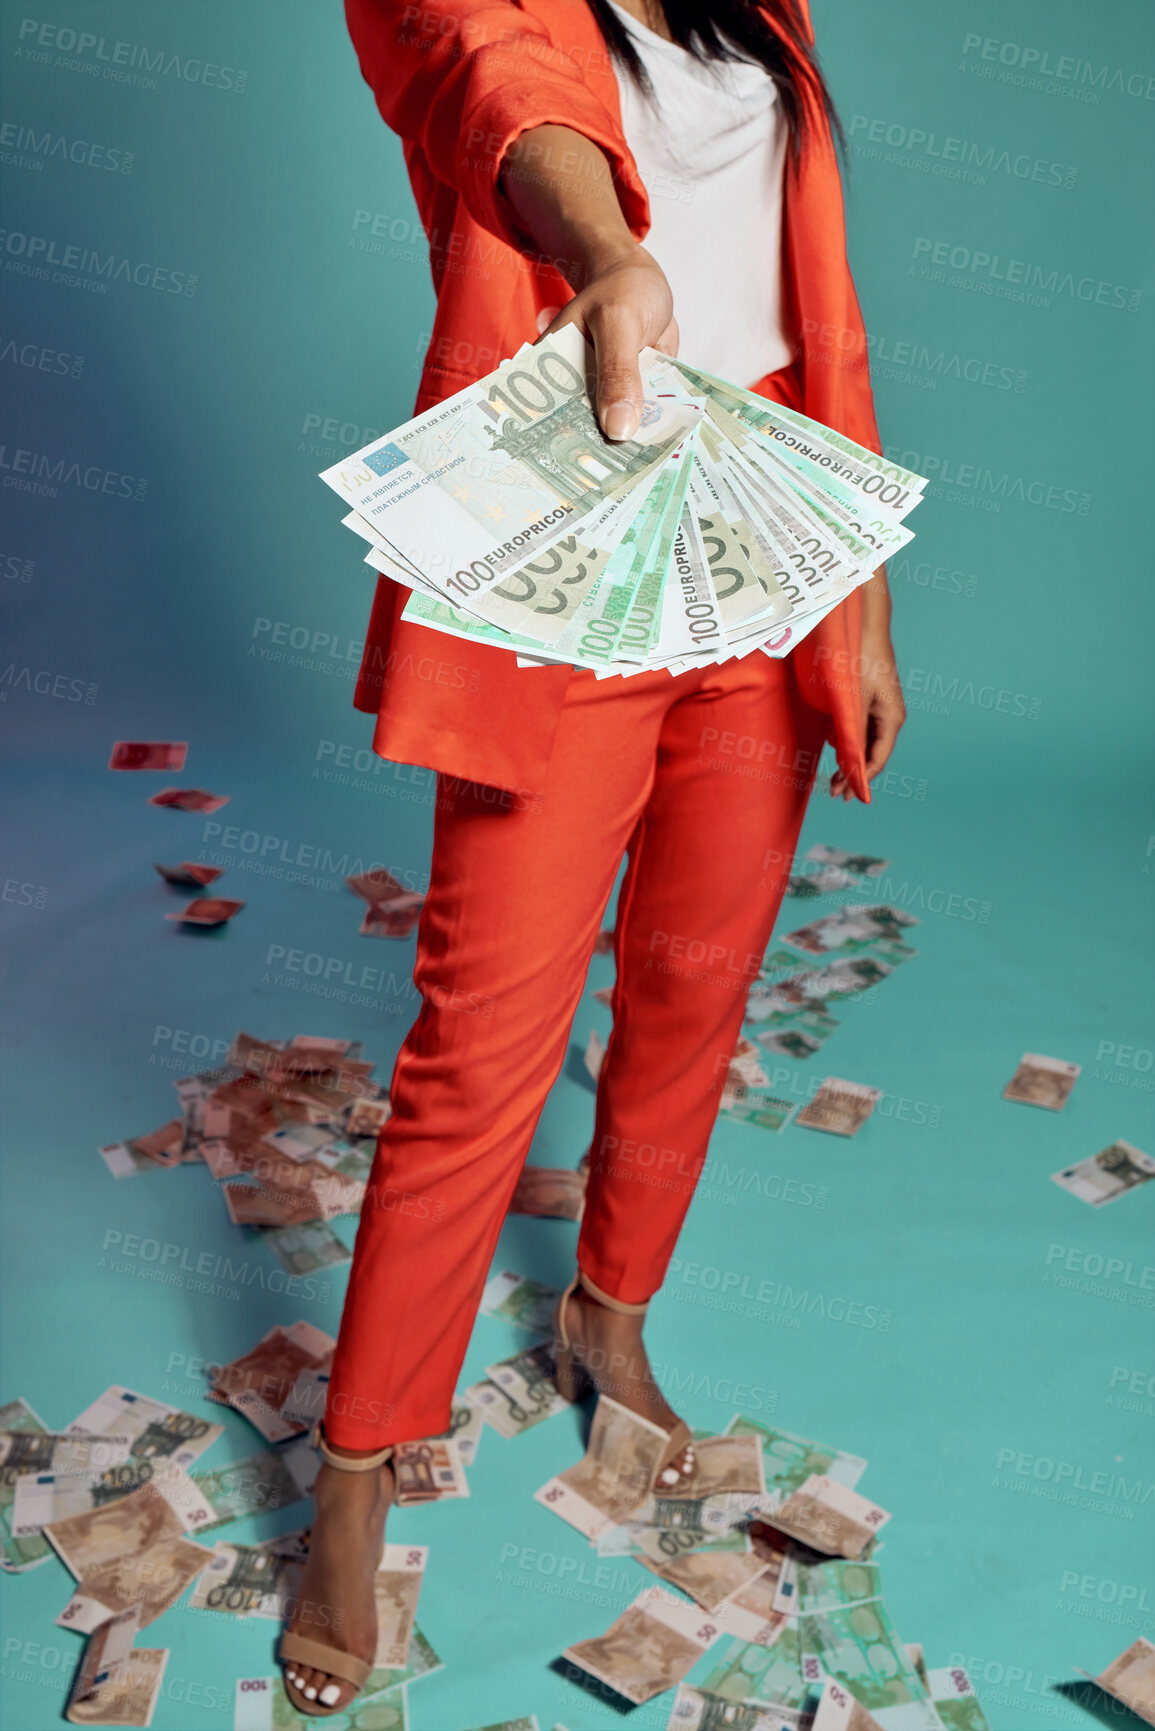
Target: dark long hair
point(734, 29)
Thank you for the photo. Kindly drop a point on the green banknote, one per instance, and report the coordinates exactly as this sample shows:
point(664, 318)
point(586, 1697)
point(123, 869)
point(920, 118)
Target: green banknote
point(24, 1553)
point(790, 1460)
point(769, 417)
point(827, 1586)
point(747, 587)
point(472, 490)
point(644, 621)
point(516, 1298)
point(591, 638)
point(955, 1701)
point(261, 1704)
point(424, 610)
point(859, 1645)
point(753, 1104)
point(508, 504)
point(304, 1249)
point(529, 1724)
point(747, 1672)
point(665, 1544)
point(260, 1483)
point(422, 1662)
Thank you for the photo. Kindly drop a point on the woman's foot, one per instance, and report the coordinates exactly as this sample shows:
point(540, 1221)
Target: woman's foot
point(607, 1346)
point(336, 1605)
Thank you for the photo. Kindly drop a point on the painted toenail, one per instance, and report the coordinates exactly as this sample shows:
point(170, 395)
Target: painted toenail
point(330, 1693)
point(311, 1693)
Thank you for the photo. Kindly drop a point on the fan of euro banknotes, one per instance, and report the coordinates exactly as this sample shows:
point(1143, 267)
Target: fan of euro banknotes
point(727, 524)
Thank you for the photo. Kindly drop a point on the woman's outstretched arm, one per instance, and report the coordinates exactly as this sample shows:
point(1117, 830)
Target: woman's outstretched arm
point(561, 193)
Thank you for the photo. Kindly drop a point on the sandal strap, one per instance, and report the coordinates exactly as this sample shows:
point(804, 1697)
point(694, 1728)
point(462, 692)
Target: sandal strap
point(345, 1463)
point(298, 1649)
point(617, 1304)
point(560, 1335)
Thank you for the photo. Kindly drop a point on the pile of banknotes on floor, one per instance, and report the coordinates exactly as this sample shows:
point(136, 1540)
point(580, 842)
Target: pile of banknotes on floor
point(781, 1624)
point(289, 1132)
point(726, 524)
point(112, 1495)
point(767, 1612)
point(804, 977)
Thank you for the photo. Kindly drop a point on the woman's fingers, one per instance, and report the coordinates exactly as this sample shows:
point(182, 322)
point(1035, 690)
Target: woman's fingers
point(619, 395)
point(883, 732)
point(625, 307)
point(885, 715)
point(669, 339)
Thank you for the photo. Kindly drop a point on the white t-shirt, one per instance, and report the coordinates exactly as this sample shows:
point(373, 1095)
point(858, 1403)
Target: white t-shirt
point(710, 147)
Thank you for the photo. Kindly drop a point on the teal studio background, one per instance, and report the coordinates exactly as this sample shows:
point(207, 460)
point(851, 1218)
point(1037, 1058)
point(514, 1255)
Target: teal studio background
point(980, 1335)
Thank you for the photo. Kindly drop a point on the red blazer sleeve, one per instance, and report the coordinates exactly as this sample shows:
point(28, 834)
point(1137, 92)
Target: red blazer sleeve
point(461, 79)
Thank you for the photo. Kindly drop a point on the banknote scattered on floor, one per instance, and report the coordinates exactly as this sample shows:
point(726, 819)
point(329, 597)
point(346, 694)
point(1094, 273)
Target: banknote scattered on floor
point(189, 874)
point(392, 911)
point(1131, 1679)
point(287, 1129)
point(1041, 1081)
point(786, 1628)
point(148, 754)
point(727, 523)
point(190, 799)
point(207, 911)
point(111, 1497)
point(1104, 1176)
point(839, 1107)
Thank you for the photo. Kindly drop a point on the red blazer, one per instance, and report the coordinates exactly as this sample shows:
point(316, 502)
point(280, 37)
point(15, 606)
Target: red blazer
point(459, 80)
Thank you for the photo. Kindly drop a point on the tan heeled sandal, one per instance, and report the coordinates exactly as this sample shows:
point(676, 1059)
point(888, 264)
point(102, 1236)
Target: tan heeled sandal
point(573, 1381)
point(299, 1649)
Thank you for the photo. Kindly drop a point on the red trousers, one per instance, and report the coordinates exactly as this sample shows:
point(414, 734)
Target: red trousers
point(702, 780)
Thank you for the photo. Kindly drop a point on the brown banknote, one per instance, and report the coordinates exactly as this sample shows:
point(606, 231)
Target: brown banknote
point(368, 1117)
point(207, 911)
point(396, 1587)
point(190, 874)
point(428, 1472)
point(830, 1517)
point(165, 1145)
point(839, 1107)
point(148, 754)
point(311, 1052)
point(376, 887)
point(252, 1205)
point(711, 1578)
point(550, 1192)
point(152, 1579)
point(127, 1527)
point(258, 1383)
point(131, 1696)
point(105, 1652)
point(750, 1613)
point(395, 920)
point(615, 1474)
point(649, 1648)
point(1131, 1679)
point(1041, 1081)
point(190, 799)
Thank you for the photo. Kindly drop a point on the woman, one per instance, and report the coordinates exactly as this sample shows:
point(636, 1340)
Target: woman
point(542, 139)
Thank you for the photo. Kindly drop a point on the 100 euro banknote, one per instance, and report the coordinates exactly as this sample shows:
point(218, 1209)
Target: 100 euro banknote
point(477, 487)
